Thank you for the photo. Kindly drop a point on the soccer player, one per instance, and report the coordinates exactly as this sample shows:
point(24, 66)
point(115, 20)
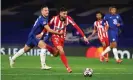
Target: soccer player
point(114, 21)
point(101, 27)
point(60, 23)
point(40, 24)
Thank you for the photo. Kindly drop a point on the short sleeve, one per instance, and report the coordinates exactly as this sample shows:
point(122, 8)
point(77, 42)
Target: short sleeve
point(43, 22)
point(105, 17)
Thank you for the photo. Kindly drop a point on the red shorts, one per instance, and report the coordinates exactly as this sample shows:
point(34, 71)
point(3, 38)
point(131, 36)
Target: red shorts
point(105, 39)
point(57, 41)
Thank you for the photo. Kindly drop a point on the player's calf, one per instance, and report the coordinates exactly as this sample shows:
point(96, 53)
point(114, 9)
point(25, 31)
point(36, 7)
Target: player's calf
point(104, 44)
point(106, 57)
point(101, 58)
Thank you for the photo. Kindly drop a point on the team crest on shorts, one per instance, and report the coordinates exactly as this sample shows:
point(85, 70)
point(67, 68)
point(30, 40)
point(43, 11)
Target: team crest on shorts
point(44, 22)
point(113, 39)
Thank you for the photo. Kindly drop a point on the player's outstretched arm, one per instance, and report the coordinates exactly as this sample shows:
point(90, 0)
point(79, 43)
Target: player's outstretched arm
point(81, 32)
point(52, 31)
point(78, 29)
point(92, 34)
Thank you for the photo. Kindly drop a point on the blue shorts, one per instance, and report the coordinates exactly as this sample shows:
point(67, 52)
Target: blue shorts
point(32, 41)
point(113, 35)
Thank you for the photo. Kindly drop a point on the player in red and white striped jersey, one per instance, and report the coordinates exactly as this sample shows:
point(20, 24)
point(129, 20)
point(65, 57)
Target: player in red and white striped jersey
point(101, 27)
point(60, 23)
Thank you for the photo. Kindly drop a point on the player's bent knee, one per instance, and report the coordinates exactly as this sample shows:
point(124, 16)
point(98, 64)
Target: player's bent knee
point(104, 45)
point(26, 48)
point(61, 50)
point(42, 44)
point(113, 45)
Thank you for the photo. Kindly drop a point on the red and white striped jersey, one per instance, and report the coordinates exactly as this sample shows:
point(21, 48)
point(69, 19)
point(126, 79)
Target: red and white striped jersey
point(61, 25)
point(101, 27)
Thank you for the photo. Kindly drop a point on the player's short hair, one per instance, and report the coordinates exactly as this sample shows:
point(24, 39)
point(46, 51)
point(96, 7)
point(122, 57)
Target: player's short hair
point(62, 9)
point(99, 12)
point(44, 6)
point(112, 7)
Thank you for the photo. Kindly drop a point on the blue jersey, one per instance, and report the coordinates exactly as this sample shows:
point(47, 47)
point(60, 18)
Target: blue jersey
point(113, 20)
point(39, 25)
point(37, 29)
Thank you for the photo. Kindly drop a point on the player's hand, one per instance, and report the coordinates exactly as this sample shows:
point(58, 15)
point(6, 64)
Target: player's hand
point(61, 33)
point(39, 36)
point(118, 24)
point(86, 40)
point(89, 38)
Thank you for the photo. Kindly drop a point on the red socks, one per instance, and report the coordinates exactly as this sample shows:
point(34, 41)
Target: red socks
point(64, 59)
point(106, 55)
point(50, 49)
point(62, 55)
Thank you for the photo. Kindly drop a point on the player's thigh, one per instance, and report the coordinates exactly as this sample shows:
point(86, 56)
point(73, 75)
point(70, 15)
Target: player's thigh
point(56, 41)
point(103, 43)
point(60, 48)
point(107, 41)
point(113, 37)
point(58, 44)
point(62, 42)
point(113, 44)
point(102, 40)
point(42, 44)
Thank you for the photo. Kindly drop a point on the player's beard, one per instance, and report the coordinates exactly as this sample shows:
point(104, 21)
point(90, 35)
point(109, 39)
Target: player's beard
point(62, 19)
point(99, 19)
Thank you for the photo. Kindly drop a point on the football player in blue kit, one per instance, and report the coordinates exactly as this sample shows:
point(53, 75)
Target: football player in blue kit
point(40, 24)
point(114, 21)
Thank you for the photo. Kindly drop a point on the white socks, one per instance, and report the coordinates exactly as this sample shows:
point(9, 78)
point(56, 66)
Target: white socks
point(19, 53)
point(115, 53)
point(43, 57)
point(106, 51)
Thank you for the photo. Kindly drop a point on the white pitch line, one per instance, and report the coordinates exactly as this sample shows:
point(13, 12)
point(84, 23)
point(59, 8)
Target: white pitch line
point(61, 67)
point(64, 74)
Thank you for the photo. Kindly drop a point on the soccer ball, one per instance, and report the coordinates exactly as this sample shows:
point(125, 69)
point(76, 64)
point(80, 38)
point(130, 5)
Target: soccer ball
point(88, 72)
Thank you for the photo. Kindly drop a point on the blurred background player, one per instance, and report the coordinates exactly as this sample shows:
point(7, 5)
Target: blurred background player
point(101, 27)
point(114, 21)
point(39, 25)
point(60, 22)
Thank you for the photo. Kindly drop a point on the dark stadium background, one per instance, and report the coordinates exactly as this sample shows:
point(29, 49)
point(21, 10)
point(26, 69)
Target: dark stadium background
point(18, 16)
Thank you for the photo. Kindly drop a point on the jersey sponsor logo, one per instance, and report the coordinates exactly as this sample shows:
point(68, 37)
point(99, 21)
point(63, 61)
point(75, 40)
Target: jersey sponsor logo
point(100, 26)
point(115, 21)
point(58, 28)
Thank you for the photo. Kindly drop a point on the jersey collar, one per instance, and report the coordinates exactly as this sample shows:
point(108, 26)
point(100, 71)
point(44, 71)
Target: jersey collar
point(44, 17)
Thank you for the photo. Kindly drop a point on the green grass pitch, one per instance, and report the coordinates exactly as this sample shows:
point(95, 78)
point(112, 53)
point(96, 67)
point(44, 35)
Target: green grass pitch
point(28, 68)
